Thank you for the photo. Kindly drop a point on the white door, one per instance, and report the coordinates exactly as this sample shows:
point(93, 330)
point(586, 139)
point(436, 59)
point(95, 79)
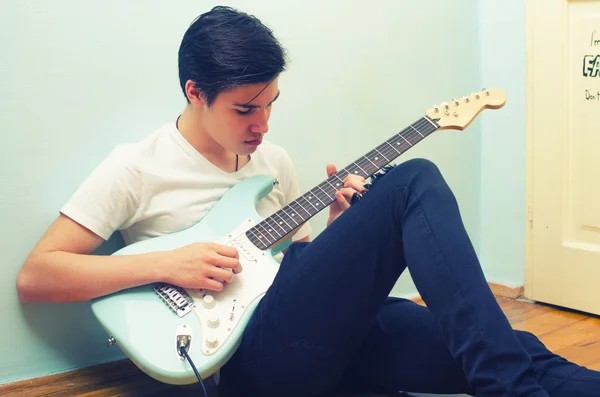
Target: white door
point(563, 159)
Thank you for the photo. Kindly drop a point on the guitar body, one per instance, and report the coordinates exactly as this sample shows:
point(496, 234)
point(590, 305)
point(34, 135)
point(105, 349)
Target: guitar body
point(146, 328)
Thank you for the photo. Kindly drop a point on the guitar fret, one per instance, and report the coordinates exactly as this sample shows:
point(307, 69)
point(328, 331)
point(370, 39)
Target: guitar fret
point(388, 153)
point(257, 234)
point(430, 122)
point(280, 217)
point(341, 173)
point(392, 147)
point(318, 193)
point(366, 173)
point(401, 146)
point(367, 165)
point(382, 155)
point(406, 140)
point(329, 183)
point(265, 229)
point(327, 194)
point(254, 233)
point(312, 194)
point(268, 234)
point(377, 158)
point(402, 142)
point(273, 227)
point(341, 181)
point(371, 161)
point(291, 217)
point(414, 138)
point(301, 206)
point(251, 231)
point(417, 131)
point(308, 201)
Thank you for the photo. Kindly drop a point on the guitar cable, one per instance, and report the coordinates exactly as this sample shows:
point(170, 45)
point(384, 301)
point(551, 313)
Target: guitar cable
point(185, 354)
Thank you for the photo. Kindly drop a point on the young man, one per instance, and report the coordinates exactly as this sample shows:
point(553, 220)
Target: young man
point(327, 321)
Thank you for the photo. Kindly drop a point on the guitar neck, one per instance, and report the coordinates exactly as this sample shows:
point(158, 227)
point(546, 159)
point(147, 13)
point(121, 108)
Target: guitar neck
point(279, 225)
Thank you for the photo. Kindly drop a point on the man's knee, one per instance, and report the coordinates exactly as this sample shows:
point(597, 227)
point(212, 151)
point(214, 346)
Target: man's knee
point(417, 177)
point(414, 169)
point(419, 166)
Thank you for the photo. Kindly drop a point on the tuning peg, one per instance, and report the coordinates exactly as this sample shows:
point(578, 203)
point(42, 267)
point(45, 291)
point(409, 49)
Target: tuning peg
point(467, 100)
point(455, 102)
point(436, 109)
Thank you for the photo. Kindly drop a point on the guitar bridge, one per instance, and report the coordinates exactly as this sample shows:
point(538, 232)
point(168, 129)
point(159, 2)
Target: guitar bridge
point(176, 298)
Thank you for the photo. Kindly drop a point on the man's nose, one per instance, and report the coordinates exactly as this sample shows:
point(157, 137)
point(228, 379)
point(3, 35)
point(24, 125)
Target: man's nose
point(261, 123)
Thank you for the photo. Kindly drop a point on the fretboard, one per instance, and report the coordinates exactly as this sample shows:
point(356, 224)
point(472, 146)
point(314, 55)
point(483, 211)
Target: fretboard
point(268, 232)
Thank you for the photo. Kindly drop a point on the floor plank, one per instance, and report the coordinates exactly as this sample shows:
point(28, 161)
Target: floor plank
point(570, 334)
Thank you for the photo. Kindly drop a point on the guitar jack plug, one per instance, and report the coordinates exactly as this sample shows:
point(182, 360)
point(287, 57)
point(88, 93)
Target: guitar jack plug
point(183, 347)
point(183, 343)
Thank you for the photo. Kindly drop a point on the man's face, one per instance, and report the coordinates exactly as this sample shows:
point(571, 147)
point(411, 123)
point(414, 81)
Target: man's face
point(238, 118)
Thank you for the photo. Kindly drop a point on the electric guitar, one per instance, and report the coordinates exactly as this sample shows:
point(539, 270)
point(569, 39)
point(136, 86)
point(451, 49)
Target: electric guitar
point(151, 323)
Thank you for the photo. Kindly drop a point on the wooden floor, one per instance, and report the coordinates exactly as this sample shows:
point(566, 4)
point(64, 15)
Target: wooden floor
point(572, 335)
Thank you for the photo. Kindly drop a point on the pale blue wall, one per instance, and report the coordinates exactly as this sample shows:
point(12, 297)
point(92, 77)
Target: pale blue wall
point(503, 207)
point(79, 77)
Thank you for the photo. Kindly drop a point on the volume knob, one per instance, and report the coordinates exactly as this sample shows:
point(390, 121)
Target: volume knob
point(209, 302)
point(214, 322)
point(212, 341)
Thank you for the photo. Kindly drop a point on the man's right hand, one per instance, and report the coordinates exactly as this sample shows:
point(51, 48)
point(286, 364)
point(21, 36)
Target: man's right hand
point(202, 265)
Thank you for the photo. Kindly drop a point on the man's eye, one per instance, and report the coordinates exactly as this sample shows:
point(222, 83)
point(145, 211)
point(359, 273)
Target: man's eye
point(243, 111)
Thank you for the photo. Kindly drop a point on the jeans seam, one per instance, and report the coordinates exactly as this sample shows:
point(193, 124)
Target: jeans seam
point(570, 377)
point(486, 348)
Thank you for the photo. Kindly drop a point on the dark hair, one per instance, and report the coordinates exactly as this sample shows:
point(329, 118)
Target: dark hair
point(225, 48)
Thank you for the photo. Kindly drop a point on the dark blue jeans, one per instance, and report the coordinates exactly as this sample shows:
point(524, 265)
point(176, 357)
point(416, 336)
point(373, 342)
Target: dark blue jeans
point(327, 322)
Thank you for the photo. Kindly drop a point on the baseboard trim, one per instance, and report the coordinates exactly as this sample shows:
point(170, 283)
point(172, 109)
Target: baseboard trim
point(499, 291)
point(504, 291)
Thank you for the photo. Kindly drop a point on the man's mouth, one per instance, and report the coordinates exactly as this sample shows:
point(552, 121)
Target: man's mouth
point(254, 142)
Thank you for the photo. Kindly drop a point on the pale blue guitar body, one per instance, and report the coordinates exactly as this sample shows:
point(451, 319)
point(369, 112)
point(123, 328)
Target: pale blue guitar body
point(146, 328)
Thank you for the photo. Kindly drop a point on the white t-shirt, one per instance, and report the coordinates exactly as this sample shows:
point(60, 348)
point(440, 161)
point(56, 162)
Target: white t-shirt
point(162, 184)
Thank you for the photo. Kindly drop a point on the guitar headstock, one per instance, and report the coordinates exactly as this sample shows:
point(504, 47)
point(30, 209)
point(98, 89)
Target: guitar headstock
point(459, 113)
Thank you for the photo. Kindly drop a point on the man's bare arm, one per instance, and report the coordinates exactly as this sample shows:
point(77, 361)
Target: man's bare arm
point(61, 269)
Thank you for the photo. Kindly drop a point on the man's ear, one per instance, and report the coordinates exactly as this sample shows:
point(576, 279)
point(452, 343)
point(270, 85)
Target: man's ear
point(194, 95)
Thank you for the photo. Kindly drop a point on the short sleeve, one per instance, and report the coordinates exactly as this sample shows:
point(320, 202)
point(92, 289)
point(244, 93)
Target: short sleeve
point(109, 198)
point(291, 192)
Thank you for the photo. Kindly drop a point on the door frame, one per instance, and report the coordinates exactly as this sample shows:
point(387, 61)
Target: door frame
point(545, 48)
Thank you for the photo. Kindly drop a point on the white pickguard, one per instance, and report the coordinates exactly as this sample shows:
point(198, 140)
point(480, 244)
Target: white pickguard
point(220, 312)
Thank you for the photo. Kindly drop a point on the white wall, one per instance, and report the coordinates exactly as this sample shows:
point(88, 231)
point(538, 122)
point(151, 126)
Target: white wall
point(79, 77)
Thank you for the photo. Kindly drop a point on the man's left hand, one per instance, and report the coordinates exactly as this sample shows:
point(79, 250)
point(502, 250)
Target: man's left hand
point(352, 184)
